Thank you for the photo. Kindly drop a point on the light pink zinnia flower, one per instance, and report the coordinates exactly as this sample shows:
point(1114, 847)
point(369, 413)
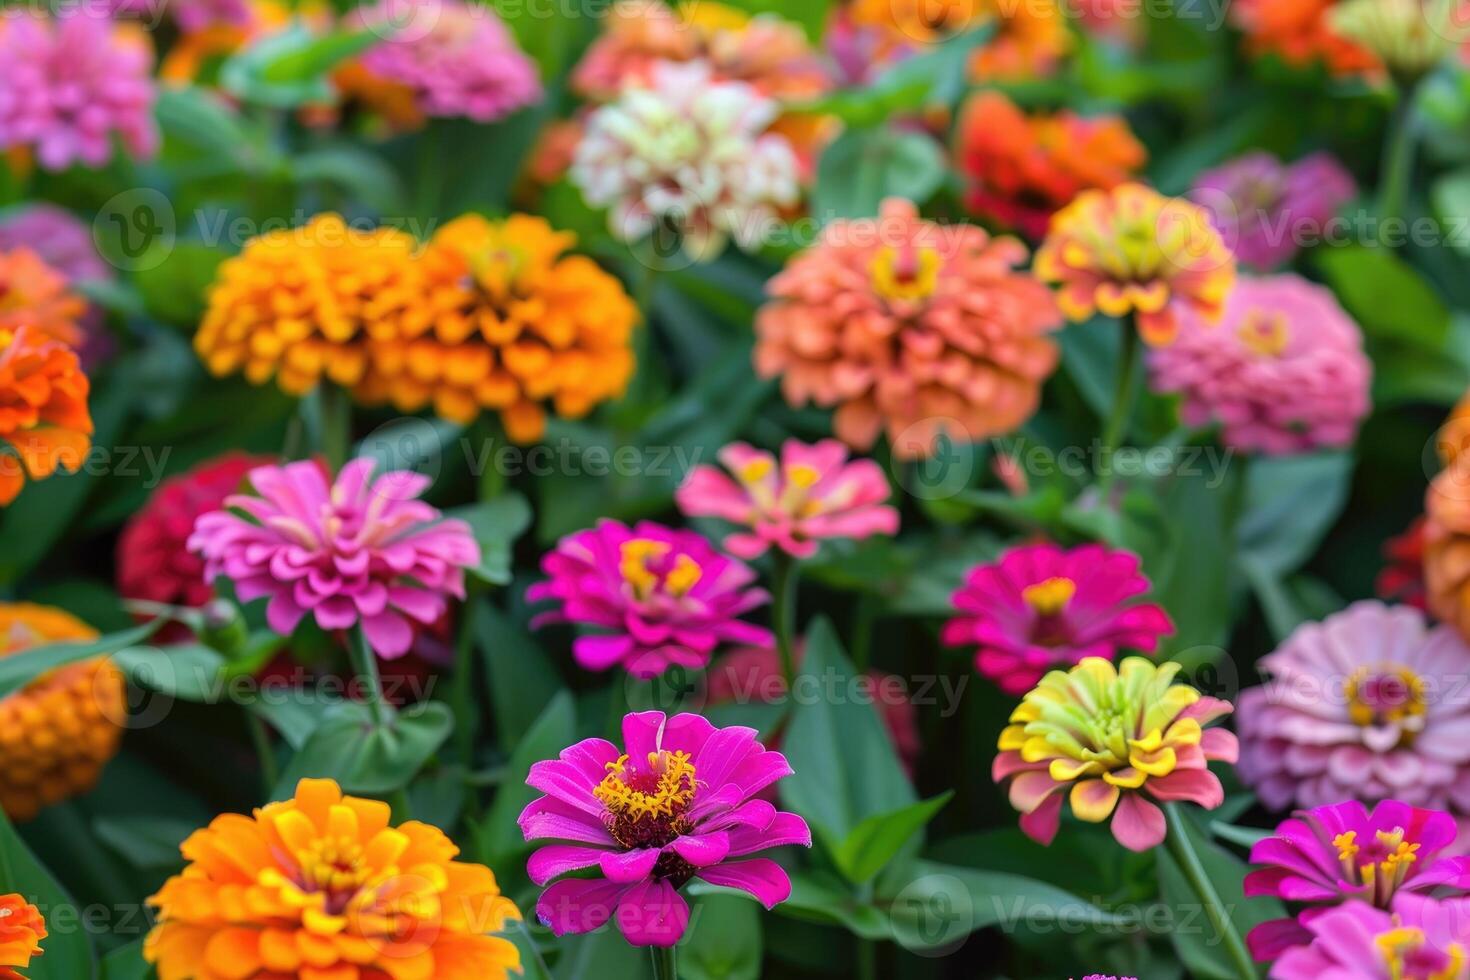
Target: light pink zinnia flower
point(1264, 208)
point(1041, 607)
point(72, 83)
point(457, 59)
point(1283, 370)
point(1419, 939)
point(658, 596)
point(1368, 704)
point(675, 803)
point(360, 551)
point(812, 494)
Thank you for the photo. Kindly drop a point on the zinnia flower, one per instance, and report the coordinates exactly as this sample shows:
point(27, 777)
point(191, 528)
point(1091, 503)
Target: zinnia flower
point(31, 292)
point(321, 885)
point(691, 151)
point(1283, 370)
point(1409, 36)
point(1301, 32)
point(1335, 854)
point(812, 494)
point(656, 596)
point(1029, 40)
point(43, 409)
point(1133, 250)
point(674, 803)
point(505, 322)
point(909, 326)
point(58, 731)
point(295, 303)
point(1419, 939)
point(1265, 208)
point(1402, 578)
point(1115, 740)
point(21, 930)
point(63, 244)
point(360, 551)
point(74, 82)
point(450, 58)
point(1040, 607)
point(58, 237)
point(1021, 169)
point(1447, 547)
point(1364, 705)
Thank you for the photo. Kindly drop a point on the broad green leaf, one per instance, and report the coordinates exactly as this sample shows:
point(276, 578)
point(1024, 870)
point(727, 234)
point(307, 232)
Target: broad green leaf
point(1387, 296)
point(875, 841)
point(289, 69)
point(189, 672)
point(146, 842)
point(126, 963)
point(363, 757)
point(862, 168)
point(521, 677)
point(500, 837)
point(496, 525)
point(1451, 197)
point(69, 953)
point(604, 953)
point(174, 284)
point(817, 896)
point(935, 78)
point(1290, 504)
point(810, 14)
point(724, 941)
point(19, 669)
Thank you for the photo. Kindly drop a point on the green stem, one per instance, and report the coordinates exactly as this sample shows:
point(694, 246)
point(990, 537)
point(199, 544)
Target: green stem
point(867, 960)
point(270, 773)
point(664, 965)
point(365, 664)
point(862, 631)
point(1117, 422)
point(1182, 851)
point(464, 672)
point(1398, 154)
point(335, 425)
point(783, 614)
point(492, 479)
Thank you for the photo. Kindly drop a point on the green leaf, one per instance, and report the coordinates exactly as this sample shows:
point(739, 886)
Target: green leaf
point(189, 672)
point(174, 285)
point(146, 842)
point(725, 940)
point(1387, 296)
point(19, 669)
point(1290, 504)
point(935, 78)
point(364, 175)
point(293, 719)
point(864, 167)
point(126, 963)
point(290, 68)
point(500, 837)
point(1451, 197)
point(496, 525)
point(879, 838)
point(817, 896)
point(364, 757)
point(810, 14)
point(69, 953)
point(521, 678)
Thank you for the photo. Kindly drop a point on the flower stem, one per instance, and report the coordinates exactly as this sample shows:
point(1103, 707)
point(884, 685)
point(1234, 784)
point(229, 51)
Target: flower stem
point(1122, 409)
point(492, 480)
point(1398, 154)
point(664, 966)
point(365, 663)
point(335, 425)
point(270, 773)
point(1182, 850)
point(783, 614)
point(464, 671)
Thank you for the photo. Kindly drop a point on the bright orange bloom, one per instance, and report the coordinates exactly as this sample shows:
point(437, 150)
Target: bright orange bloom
point(1022, 169)
point(1031, 36)
point(21, 930)
point(505, 322)
point(1133, 250)
point(43, 409)
point(33, 292)
point(296, 303)
point(321, 887)
point(1301, 33)
point(57, 732)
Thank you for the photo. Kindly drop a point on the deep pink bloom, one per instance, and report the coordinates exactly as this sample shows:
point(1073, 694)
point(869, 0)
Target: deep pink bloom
point(1369, 704)
point(1041, 607)
point(1340, 853)
point(675, 803)
point(1420, 939)
point(657, 596)
point(1264, 209)
point(458, 59)
point(812, 494)
point(1283, 370)
point(72, 84)
point(360, 551)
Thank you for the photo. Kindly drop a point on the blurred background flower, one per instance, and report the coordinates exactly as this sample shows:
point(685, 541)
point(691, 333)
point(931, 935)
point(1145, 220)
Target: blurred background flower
point(44, 419)
point(1417, 936)
point(1302, 33)
point(1266, 210)
point(22, 928)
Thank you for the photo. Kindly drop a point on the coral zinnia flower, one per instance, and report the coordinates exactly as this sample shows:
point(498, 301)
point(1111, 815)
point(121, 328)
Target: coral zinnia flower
point(358, 551)
point(33, 292)
point(505, 322)
point(675, 803)
point(911, 326)
point(1364, 705)
point(1283, 371)
point(295, 303)
point(43, 409)
point(812, 494)
point(657, 596)
point(1301, 32)
point(57, 732)
point(1041, 607)
point(1336, 854)
point(322, 886)
point(1447, 546)
point(1022, 169)
point(1116, 739)
point(1419, 938)
point(1133, 250)
point(21, 930)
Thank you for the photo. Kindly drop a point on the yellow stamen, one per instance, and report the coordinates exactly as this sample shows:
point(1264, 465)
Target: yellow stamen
point(1050, 597)
point(684, 576)
point(1396, 946)
point(1264, 333)
point(1392, 695)
point(756, 470)
point(914, 279)
point(334, 864)
point(673, 791)
point(634, 565)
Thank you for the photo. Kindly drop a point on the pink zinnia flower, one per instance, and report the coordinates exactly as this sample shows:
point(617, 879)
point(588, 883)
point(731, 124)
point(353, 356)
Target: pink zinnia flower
point(675, 803)
point(1283, 370)
point(72, 83)
point(658, 596)
point(1368, 704)
point(1335, 854)
point(358, 551)
point(812, 494)
point(1419, 939)
point(1264, 208)
point(1041, 606)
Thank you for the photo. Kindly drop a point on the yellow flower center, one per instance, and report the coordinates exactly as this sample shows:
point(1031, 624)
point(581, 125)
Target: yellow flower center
point(1381, 865)
point(756, 470)
point(662, 789)
point(333, 864)
point(1392, 696)
point(1264, 333)
point(637, 568)
point(1409, 955)
point(1051, 596)
point(910, 274)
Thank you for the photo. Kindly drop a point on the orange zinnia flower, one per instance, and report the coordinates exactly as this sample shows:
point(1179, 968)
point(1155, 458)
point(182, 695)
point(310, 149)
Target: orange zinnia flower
point(505, 322)
point(296, 303)
point(33, 292)
point(1133, 250)
point(1301, 32)
point(43, 409)
point(321, 887)
point(57, 732)
point(21, 930)
point(1031, 36)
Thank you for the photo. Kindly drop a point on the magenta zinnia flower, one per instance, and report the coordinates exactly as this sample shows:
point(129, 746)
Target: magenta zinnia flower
point(1265, 209)
point(1283, 370)
point(812, 494)
point(1335, 854)
point(1041, 607)
point(1419, 939)
point(675, 803)
point(1368, 704)
point(358, 551)
point(656, 595)
point(72, 83)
